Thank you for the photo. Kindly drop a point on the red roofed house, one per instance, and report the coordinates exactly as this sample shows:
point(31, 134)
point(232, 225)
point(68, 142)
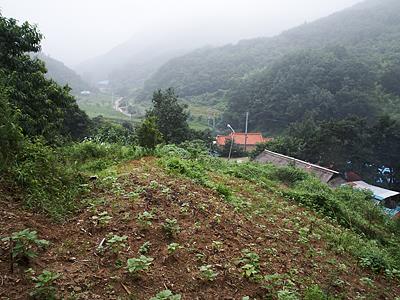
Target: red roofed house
point(242, 139)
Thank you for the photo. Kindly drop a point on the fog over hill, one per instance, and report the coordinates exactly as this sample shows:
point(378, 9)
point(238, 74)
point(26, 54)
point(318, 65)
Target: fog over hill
point(63, 75)
point(131, 39)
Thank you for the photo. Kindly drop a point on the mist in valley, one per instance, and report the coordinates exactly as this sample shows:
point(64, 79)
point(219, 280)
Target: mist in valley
point(97, 37)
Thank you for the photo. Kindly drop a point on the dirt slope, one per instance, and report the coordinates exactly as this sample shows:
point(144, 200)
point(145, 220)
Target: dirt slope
point(211, 232)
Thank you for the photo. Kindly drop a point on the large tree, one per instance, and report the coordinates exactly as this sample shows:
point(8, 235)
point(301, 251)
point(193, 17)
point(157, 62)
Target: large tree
point(171, 116)
point(44, 108)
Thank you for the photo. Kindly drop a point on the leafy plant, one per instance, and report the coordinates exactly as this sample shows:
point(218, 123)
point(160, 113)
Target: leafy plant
point(24, 244)
point(173, 247)
point(316, 293)
point(250, 262)
point(287, 294)
point(145, 248)
point(116, 243)
point(367, 281)
point(136, 265)
point(166, 295)
point(171, 227)
point(102, 219)
point(374, 262)
point(217, 245)
point(44, 285)
point(49, 184)
point(392, 273)
point(208, 273)
point(144, 219)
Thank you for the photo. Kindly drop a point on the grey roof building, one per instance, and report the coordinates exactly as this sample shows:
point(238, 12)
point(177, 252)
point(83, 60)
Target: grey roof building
point(331, 177)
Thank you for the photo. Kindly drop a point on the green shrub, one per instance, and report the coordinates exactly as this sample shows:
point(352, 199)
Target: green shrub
point(195, 148)
point(10, 133)
point(148, 134)
point(188, 168)
point(50, 186)
point(224, 191)
point(93, 156)
point(88, 150)
point(105, 131)
point(172, 151)
point(44, 285)
point(24, 245)
point(374, 261)
point(316, 293)
point(289, 174)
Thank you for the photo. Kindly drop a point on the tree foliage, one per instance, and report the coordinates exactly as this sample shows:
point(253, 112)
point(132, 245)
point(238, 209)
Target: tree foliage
point(44, 108)
point(171, 116)
point(307, 84)
point(369, 29)
point(148, 134)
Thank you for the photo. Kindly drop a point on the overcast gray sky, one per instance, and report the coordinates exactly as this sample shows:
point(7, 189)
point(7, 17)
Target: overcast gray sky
point(76, 30)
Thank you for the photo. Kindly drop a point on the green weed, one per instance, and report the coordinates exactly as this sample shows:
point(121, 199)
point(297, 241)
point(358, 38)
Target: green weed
point(208, 273)
point(171, 227)
point(24, 245)
point(44, 285)
point(166, 295)
point(140, 264)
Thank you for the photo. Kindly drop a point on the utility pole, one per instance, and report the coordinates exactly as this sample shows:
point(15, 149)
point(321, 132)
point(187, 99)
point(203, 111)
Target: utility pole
point(245, 132)
point(232, 141)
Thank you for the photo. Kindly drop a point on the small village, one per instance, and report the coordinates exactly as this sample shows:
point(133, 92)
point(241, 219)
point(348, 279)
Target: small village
point(387, 199)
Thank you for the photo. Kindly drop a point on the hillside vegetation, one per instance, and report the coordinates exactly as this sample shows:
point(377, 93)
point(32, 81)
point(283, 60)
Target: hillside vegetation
point(202, 228)
point(63, 75)
point(349, 45)
point(328, 90)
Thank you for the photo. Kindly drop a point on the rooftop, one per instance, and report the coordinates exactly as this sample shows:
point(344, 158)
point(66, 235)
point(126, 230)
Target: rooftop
point(240, 137)
point(379, 193)
point(278, 159)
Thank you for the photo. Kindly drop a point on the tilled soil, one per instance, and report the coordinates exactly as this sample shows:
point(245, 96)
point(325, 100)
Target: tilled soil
point(211, 233)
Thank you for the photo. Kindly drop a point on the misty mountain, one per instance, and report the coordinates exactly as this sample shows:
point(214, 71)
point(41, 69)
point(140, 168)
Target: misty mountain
point(136, 52)
point(128, 65)
point(63, 75)
point(370, 29)
point(135, 72)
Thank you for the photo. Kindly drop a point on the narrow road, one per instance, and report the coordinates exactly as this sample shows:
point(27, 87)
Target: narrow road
point(119, 108)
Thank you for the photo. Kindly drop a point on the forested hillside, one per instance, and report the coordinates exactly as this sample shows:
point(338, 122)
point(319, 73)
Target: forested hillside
point(331, 83)
point(369, 30)
point(328, 87)
point(63, 75)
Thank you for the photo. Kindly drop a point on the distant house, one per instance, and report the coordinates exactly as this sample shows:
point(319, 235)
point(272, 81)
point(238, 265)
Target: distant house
point(389, 200)
point(243, 140)
point(333, 178)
